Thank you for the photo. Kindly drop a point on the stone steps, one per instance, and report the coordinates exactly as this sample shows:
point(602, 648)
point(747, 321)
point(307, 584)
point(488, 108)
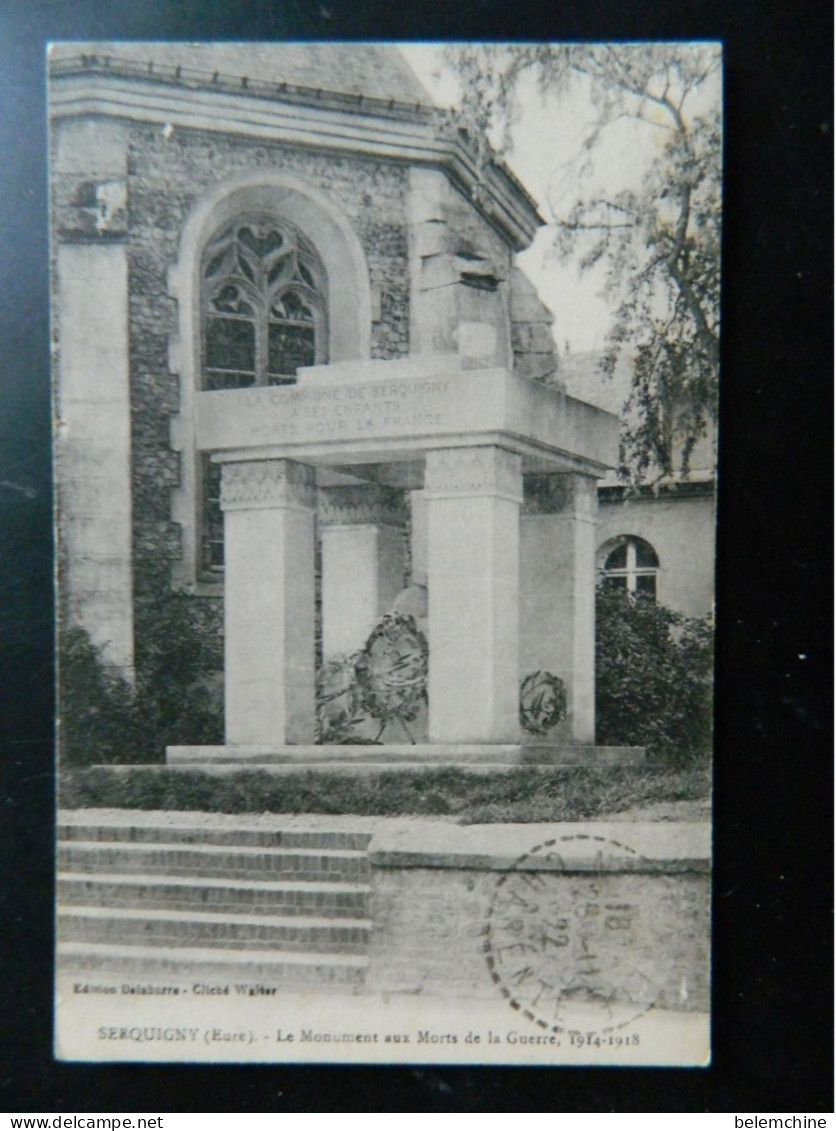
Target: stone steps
point(197, 928)
point(276, 966)
point(208, 860)
point(172, 898)
point(292, 897)
point(236, 836)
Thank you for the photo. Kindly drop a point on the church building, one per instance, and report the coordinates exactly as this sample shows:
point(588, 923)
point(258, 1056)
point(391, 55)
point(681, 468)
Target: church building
point(301, 380)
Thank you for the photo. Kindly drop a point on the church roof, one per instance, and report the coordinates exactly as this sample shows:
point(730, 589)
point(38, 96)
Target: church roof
point(376, 70)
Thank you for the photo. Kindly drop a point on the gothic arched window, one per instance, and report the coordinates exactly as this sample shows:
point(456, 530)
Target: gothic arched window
point(263, 317)
point(264, 305)
point(632, 565)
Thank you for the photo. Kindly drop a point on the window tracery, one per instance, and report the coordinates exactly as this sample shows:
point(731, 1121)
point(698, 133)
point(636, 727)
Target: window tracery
point(264, 305)
point(263, 317)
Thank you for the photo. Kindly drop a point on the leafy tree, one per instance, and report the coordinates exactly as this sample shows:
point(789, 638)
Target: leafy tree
point(652, 678)
point(657, 234)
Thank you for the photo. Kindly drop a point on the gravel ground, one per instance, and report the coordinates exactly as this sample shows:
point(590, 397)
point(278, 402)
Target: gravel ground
point(699, 810)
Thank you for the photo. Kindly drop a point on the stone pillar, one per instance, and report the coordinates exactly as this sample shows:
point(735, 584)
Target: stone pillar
point(93, 400)
point(363, 556)
point(418, 537)
point(269, 510)
point(557, 631)
point(473, 498)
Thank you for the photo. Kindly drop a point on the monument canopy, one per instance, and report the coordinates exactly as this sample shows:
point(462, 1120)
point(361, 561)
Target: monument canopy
point(373, 412)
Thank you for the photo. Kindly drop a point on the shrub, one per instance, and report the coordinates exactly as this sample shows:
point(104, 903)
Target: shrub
point(653, 672)
point(178, 663)
point(98, 720)
point(177, 698)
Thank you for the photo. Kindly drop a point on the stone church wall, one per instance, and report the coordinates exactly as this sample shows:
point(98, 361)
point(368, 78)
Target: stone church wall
point(166, 177)
point(140, 201)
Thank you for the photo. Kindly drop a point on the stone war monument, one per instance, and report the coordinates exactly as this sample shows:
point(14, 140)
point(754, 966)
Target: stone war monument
point(456, 432)
point(327, 521)
point(303, 381)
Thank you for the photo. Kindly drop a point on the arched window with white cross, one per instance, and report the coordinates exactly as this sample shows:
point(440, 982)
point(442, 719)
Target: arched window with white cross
point(631, 565)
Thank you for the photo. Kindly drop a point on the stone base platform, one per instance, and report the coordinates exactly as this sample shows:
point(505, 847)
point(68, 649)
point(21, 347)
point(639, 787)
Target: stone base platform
point(476, 757)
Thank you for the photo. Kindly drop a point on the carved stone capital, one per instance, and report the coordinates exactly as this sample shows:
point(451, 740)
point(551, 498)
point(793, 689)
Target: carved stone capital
point(364, 504)
point(260, 484)
point(473, 471)
point(563, 493)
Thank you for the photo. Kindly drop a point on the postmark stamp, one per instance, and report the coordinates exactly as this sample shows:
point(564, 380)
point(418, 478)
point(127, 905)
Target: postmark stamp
point(561, 937)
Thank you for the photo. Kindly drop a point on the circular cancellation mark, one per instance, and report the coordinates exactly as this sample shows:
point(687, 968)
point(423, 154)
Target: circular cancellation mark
point(564, 945)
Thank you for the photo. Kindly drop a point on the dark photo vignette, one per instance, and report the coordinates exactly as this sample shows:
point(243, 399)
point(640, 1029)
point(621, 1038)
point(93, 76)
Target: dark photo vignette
point(771, 948)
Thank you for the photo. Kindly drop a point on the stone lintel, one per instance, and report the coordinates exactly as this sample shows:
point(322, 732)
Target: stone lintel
point(384, 412)
point(263, 484)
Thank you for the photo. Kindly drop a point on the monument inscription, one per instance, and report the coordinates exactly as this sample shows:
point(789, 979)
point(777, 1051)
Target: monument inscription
point(403, 414)
point(300, 413)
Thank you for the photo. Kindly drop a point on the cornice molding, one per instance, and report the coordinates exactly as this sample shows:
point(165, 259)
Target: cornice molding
point(696, 488)
point(294, 116)
point(197, 78)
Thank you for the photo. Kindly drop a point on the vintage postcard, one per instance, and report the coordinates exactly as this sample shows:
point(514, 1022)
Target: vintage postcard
point(385, 386)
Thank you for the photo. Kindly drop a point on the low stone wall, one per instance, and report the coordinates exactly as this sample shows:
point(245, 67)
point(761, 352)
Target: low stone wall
point(585, 912)
point(584, 926)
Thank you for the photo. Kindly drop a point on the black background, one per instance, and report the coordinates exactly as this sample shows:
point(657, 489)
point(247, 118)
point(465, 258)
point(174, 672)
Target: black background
point(773, 833)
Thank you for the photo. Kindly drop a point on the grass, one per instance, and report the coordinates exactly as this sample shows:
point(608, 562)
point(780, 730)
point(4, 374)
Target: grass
point(521, 795)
